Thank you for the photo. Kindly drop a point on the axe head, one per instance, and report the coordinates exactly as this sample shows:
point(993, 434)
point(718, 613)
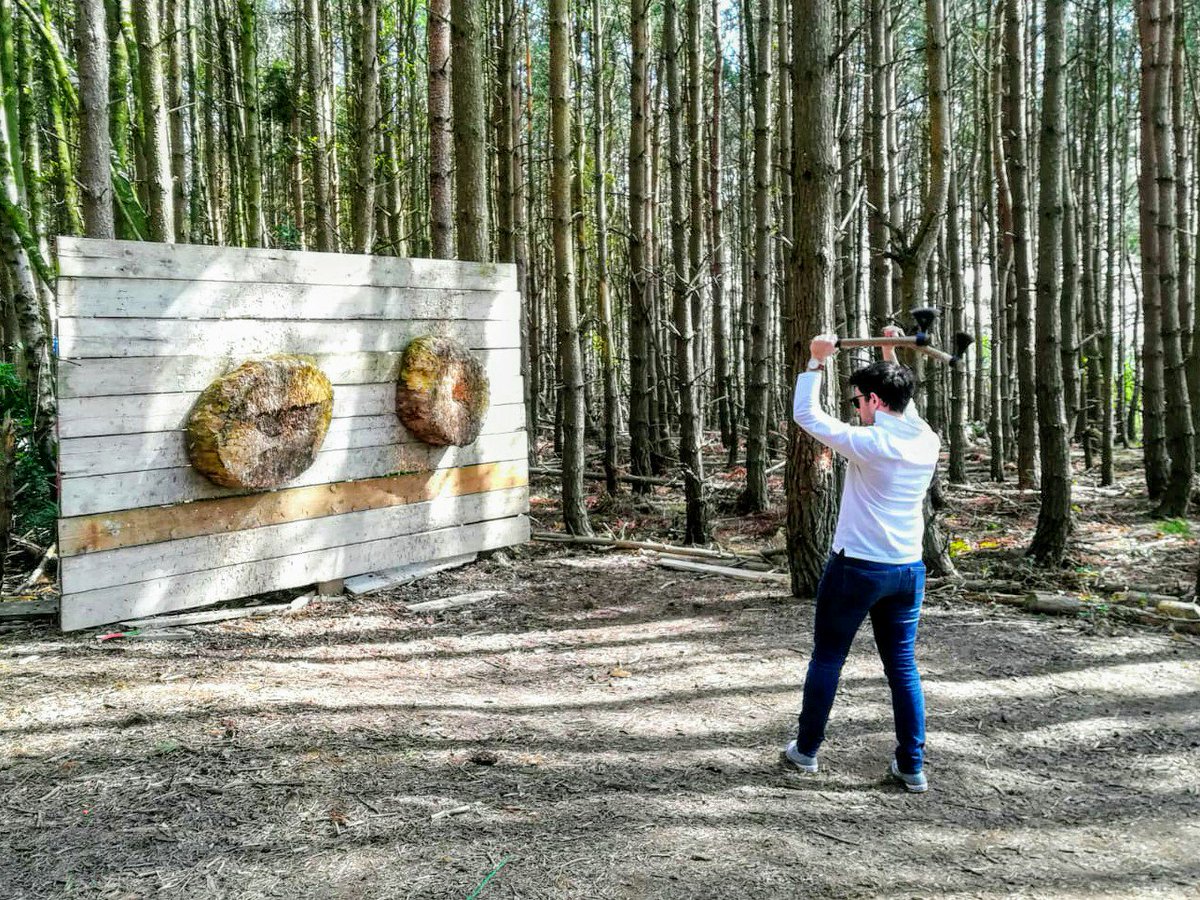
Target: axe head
point(962, 341)
point(924, 316)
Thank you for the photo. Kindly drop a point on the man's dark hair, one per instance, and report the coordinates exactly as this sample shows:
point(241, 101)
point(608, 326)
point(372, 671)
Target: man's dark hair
point(890, 382)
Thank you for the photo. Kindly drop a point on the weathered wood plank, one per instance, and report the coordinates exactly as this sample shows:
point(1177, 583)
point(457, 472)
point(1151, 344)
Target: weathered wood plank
point(141, 413)
point(90, 608)
point(108, 454)
point(402, 575)
point(101, 377)
point(130, 528)
point(175, 299)
point(85, 257)
point(130, 565)
point(157, 487)
point(79, 338)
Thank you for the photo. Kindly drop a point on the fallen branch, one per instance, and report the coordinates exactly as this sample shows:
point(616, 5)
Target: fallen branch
point(206, 617)
point(554, 537)
point(47, 557)
point(452, 602)
point(600, 476)
point(681, 565)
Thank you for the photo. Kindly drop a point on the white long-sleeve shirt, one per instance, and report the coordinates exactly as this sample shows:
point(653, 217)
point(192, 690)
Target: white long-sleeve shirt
point(891, 465)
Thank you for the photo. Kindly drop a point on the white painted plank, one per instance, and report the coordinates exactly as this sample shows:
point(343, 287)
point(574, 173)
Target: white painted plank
point(99, 377)
point(141, 413)
point(402, 575)
point(80, 338)
point(111, 453)
point(158, 487)
point(176, 299)
point(91, 608)
point(89, 258)
point(130, 565)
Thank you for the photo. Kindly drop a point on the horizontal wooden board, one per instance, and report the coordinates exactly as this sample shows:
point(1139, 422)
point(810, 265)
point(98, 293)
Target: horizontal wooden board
point(129, 565)
point(159, 298)
point(80, 338)
point(141, 413)
point(135, 527)
point(157, 487)
point(90, 608)
point(103, 377)
point(86, 257)
point(107, 454)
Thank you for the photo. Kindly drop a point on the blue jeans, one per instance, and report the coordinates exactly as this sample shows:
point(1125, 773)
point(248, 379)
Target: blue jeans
point(891, 594)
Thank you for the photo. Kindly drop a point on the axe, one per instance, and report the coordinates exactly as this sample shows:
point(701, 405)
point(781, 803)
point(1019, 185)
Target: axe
point(921, 341)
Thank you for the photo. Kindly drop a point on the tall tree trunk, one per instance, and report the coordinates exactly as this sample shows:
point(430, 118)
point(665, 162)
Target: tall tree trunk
point(603, 301)
point(1054, 516)
point(640, 379)
point(363, 203)
point(318, 85)
point(682, 285)
point(756, 497)
point(1111, 321)
point(256, 224)
point(470, 129)
point(176, 53)
point(440, 194)
point(720, 314)
point(95, 145)
point(154, 119)
point(575, 515)
point(877, 165)
point(1015, 119)
point(812, 498)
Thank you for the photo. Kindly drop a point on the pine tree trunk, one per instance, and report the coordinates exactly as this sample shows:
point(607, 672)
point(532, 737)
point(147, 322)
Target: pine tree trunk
point(1054, 523)
point(154, 117)
point(720, 313)
point(756, 497)
point(95, 145)
point(575, 515)
point(363, 202)
point(682, 286)
point(877, 174)
point(811, 496)
point(256, 225)
point(603, 301)
point(1111, 321)
point(318, 85)
point(176, 46)
point(470, 128)
point(640, 378)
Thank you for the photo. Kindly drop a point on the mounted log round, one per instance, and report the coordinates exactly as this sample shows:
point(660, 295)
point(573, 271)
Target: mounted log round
point(261, 425)
point(442, 392)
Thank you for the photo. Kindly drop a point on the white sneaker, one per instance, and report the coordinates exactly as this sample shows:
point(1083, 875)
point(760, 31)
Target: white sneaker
point(800, 760)
point(914, 784)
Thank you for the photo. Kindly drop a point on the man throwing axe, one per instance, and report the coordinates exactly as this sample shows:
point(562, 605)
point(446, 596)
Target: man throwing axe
point(875, 566)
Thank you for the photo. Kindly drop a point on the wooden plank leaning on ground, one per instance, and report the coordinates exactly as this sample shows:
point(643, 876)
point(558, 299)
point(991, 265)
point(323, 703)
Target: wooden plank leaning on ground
point(92, 377)
point(87, 257)
point(158, 487)
point(130, 528)
point(130, 565)
point(89, 608)
point(174, 299)
point(82, 338)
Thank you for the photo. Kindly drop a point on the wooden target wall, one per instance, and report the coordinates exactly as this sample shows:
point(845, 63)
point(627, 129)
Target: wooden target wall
point(144, 328)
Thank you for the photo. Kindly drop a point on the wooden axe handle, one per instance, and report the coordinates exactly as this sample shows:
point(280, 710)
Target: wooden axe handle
point(906, 341)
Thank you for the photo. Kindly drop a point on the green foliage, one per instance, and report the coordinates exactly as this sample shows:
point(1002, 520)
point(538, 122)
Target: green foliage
point(1176, 526)
point(34, 509)
point(287, 235)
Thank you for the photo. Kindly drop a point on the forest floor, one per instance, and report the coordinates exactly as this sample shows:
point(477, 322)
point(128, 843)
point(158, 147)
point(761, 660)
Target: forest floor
point(607, 728)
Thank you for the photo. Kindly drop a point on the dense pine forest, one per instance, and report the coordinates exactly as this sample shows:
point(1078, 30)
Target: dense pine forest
point(689, 189)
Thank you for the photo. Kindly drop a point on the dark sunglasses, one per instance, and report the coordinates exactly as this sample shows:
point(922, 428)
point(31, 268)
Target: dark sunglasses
point(854, 401)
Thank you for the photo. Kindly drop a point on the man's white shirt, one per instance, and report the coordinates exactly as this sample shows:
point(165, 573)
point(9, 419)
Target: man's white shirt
point(891, 465)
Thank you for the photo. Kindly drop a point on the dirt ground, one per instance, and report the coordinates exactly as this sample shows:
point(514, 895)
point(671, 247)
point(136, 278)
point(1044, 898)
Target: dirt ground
point(607, 728)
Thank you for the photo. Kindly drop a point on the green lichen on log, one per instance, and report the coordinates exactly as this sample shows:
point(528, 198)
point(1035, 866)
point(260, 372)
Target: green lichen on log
point(442, 393)
point(262, 424)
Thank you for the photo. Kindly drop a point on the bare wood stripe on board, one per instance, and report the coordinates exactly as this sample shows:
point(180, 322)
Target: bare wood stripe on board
point(129, 565)
point(141, 413)
point(157, 487)
point(112, 453)
point(134, 527)
point(158, 298)
point(86, 257)
point(79, 338)
point(99, 377)
point(115, 604)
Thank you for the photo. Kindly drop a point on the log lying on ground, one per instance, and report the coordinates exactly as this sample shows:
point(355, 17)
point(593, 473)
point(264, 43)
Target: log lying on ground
point(402, 575)
point(28, 609)
point(261, 425)
point(600, 476)
point(206, 617)
point(453, 602)
point(442, 395)
point(593, 541)
point(1180, 616)
point(682, 565)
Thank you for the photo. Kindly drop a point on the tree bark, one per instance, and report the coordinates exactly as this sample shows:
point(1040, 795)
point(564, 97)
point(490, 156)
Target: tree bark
point(326, 225)
point(256, 233)
point(154, 117)
point(363, 202)
point(640, 379)
point(603, 301)
point(95, 145)
point(1054, 523)
point(470, 129)
point(575, 515)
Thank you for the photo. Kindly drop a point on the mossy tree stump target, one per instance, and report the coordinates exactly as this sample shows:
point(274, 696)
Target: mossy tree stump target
point(442, 394)
point(262, 424)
